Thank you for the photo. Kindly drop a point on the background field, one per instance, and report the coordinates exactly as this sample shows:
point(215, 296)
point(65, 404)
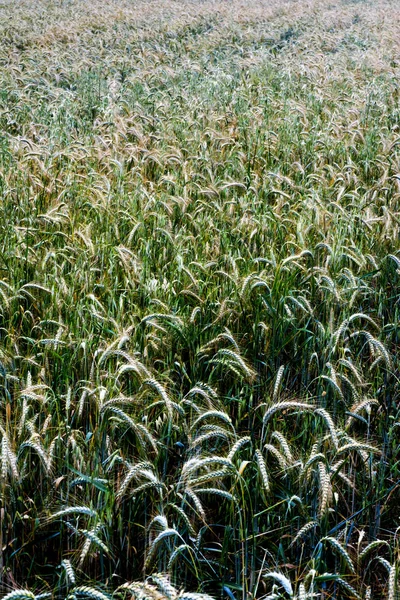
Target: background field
point(199, 299)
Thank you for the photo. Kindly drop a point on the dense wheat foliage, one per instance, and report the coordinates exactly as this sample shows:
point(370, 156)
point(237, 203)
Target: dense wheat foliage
point(199, 299)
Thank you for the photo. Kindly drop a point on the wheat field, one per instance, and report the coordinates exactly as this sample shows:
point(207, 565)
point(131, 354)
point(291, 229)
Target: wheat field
point(199, 299)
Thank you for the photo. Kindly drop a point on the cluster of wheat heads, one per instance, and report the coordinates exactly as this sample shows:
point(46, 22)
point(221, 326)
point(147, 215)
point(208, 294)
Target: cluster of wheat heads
point(199, 299)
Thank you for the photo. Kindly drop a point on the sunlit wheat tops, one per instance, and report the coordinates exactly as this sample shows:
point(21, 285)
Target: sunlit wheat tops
point(199, 300)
